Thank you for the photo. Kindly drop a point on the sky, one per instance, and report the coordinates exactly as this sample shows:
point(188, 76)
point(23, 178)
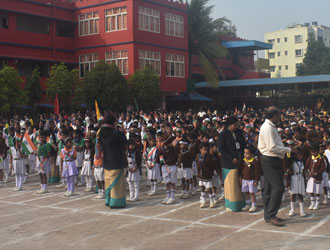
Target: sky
point(255, 17)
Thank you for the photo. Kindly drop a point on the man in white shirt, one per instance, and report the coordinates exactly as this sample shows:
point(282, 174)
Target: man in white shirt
point(272, 153)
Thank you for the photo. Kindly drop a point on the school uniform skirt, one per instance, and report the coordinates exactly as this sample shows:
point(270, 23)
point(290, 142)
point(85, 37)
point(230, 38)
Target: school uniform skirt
point(233, 196)
point(114, 182)
point(80, 159)
point(54, 174)
point(298, 184)
point(69, 169)
point(86, 168)
point(154, 173)
point(19, 167)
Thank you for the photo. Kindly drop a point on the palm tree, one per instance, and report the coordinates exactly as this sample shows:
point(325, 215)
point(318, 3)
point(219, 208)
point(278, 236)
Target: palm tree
point(203, 40)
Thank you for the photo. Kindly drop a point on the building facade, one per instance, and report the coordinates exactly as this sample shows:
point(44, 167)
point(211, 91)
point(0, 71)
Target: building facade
point(290, 45)
point(130, 33)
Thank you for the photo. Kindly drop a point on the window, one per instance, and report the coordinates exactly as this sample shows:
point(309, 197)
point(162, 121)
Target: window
point(120, 58)
point(278, 40)
point(149, 20)
point(298, 39)
point(32, 24)
point(64, 29)
point(174, 65)
point(272, 68)
point(25, 67)
point(285, 39)
point(286, 53)
point(174, 25)
point(286, 67)
point(87, 62)
point(271, 55)
point(271, 41)
point(278, 53)
point(298, 65)
point(299, 52)
point(150, 58)
point(279, 67)
point(88, 23)
point(116, 19)
point(3, 20)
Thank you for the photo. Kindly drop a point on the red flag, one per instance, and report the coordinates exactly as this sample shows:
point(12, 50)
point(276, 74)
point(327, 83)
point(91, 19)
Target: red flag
point(56, 106)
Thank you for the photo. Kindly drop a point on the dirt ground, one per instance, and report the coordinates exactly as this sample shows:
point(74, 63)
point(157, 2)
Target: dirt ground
point(50, 221)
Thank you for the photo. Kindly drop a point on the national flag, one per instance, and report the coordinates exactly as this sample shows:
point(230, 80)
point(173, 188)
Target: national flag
point(56, 106)
point(27, 144)
point(98, 114)
point(145, 117)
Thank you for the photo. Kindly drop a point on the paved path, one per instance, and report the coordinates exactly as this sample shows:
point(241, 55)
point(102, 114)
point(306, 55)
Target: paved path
point(50, 221)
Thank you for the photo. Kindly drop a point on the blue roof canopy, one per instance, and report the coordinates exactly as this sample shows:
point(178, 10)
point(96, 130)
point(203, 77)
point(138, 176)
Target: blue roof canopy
point(189, 97)
point(269, 81)
point(248, 45)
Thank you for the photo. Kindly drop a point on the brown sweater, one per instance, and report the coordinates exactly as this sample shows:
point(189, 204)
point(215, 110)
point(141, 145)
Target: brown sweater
point(205, 167)
point(250, 170)
point(315, 167)
point(186, 159)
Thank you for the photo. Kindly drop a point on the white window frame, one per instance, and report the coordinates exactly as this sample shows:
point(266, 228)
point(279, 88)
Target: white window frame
point(278, 40)
point(143, 55)
point(286, 67)
point(170, 59)
point(271, 41)
point(286, 53)
point(95, 16)
point(271, 55)
point(90, 63)
point(278, 53)
point(178, 21)
point(150, 15)
point(108, 16)
point(302, 53)
point(116, 60)
point(285, 39)
point(298, 41)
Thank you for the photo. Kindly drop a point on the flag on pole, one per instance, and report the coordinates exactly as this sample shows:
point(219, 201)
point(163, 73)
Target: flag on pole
point(56, 106)
point(27, 145)
point(98, 114)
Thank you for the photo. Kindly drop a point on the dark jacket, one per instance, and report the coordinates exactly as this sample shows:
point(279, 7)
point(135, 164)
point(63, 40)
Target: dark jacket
point(227, 147)
point(113, 143)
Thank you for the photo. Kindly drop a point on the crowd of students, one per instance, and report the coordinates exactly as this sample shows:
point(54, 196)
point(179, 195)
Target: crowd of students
point(167, 148)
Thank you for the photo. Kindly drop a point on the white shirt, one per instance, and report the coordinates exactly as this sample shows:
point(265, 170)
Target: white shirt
point(270, 143)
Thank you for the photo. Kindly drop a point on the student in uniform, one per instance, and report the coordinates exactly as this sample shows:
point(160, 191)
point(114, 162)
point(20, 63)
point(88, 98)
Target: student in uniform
point(43, 162)
point(68, 164)
point(87, 164)
point(153, 170)
point(297, 183)
point(249, 174)
point(216, 178)
point(134, 176)
point(315, 165)
point(325, 179)
point(206, 168)
point(3, 156)
point(185, 162)
point(17, 161)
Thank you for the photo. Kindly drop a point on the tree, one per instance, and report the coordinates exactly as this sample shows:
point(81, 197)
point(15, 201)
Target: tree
point(10, 89)
point(145, 88)
point(224, 27)
point(61, 81)
point(32, 87)
point(107, 85)
point(316, 60)
point(203, 40)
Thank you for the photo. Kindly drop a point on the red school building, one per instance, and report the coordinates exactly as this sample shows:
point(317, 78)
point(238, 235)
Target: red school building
point(131, 33)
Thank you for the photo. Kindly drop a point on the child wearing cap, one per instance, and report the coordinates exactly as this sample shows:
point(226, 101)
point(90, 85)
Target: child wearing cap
point(68, 164)
point(315, 165)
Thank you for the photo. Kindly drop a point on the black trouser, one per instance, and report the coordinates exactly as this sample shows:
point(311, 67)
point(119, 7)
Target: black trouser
point(273, 185)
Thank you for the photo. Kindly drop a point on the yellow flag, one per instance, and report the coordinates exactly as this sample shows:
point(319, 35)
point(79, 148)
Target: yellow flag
point(98, 114)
